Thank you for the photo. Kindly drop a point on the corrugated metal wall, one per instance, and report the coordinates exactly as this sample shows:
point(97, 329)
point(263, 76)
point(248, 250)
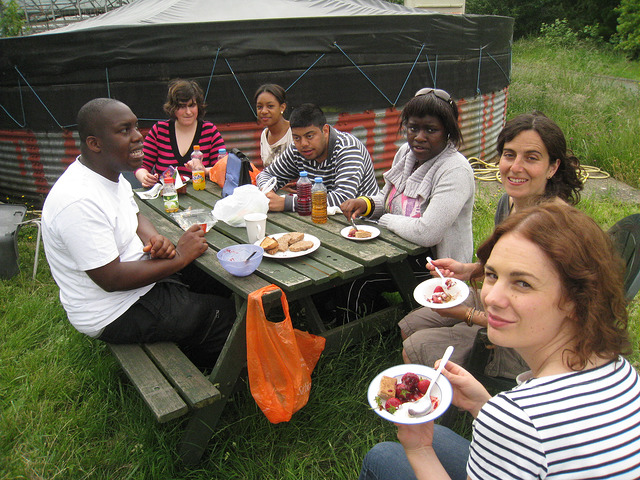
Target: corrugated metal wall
point(31, 162)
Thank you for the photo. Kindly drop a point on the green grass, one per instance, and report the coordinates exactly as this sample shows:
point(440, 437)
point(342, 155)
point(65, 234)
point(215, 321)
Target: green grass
point(68, 412)
point(599, 116)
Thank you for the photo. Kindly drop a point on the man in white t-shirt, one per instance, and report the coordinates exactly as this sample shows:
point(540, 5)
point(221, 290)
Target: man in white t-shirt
point(114, 270)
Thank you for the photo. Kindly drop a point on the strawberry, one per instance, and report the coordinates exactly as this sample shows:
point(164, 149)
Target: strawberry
point(402, 392)
point(438, 289)
point(392, 405)
point(423, 385)
point(410, 380)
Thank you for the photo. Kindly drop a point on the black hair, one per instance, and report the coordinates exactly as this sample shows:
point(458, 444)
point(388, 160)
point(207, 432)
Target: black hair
point(307, 115)
point(430, 104)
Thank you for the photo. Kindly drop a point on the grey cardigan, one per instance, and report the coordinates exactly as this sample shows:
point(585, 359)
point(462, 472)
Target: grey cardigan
point(445, 188)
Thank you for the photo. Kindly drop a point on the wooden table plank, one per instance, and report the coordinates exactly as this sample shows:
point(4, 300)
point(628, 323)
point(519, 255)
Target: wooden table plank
point(156, 391)
point(192, 386)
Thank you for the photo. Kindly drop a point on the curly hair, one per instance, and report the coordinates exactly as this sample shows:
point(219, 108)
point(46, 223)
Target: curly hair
point(435, 105)
point(565, 183)
point(182, 92)
point(592, 283)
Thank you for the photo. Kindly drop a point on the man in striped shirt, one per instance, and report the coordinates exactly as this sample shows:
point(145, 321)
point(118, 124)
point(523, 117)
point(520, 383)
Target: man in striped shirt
point(339, 158)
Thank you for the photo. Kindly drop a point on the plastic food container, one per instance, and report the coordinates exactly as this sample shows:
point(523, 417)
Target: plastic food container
point(199, 216)
point(234, 259)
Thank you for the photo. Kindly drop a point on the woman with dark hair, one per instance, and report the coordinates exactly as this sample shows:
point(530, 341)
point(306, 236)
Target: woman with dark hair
point(428, 191)
point(534, 165)
point(427, 196)
point(575, 413)
point(271, 103)
point(170, 142)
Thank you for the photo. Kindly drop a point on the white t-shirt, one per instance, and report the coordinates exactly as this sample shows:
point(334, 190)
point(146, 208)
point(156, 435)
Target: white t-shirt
point(87, 222)
point(269, 153)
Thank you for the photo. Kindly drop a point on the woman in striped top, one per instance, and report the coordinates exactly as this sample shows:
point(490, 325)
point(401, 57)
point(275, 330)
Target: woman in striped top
point(576, 414)
point(170, 143)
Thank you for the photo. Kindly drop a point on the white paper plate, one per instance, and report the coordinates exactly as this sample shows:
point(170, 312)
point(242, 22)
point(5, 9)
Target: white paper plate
point(442, 391)
point(424, 291)
point(374, 232)
point(288, 254)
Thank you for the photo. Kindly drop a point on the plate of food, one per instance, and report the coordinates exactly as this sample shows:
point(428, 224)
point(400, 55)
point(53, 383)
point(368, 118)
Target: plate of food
point(364, 232)
point(430, 293)
point(395, 390)
point(288, 245)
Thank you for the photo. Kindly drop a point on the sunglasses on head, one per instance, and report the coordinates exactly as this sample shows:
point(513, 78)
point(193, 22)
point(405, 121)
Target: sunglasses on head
point(441, 94)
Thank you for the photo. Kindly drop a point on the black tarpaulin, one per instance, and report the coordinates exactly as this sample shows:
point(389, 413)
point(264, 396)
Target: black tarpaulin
point(345, 55)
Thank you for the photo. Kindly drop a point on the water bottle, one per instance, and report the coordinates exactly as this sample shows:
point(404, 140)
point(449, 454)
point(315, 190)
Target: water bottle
point(303, 187)
point(197, 174)
point(319, 202)
point(169, 195)
point(222, 155)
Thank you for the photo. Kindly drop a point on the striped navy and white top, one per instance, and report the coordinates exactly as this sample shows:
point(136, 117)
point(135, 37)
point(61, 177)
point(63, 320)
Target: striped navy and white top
point(580, 425)
point(346, 173)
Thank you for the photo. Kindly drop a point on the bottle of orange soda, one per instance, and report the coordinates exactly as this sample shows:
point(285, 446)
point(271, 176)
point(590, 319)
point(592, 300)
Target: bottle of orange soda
point(198, 173)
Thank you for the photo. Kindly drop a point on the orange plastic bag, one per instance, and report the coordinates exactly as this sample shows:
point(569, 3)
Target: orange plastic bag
point(280, 359)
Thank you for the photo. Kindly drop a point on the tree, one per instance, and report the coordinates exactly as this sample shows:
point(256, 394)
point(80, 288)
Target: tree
point(628, 31)
point(11, 19)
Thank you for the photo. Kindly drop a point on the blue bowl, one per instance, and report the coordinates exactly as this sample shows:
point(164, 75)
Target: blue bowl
point(233, 259)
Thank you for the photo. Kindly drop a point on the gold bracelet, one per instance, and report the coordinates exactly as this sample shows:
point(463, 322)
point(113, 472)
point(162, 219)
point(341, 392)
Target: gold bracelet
point(469, 316)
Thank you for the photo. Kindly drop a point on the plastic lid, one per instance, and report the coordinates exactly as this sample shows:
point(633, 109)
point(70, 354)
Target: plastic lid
point(196, 147)
point(318, 179)
point(303, 173)
point(222, 151)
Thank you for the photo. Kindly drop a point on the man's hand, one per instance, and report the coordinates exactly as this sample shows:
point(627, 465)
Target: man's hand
point(160, 247)
point(192, 244)
point(353, 208)
point(276, 202)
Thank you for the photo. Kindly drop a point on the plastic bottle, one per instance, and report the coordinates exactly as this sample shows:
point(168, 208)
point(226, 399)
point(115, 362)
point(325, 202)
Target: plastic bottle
point(169, 195)
point(222, 155)
point(319, 202)
point(303, 187)
point(197, 175)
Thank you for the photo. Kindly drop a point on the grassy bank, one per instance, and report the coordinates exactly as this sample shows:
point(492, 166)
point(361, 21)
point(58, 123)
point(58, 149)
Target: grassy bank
point(67, 412)
point(591, 93)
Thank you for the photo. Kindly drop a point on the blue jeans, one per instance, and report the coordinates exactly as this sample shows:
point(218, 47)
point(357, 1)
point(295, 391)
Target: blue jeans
point(387, 461)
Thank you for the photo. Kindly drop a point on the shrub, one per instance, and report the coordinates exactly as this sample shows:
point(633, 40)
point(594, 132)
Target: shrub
point(11, 19)
point(627, 38)
point(558, 33)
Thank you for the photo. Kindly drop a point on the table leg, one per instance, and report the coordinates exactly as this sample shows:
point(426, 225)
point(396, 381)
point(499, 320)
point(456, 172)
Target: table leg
point(405, 280)
point(225, 374)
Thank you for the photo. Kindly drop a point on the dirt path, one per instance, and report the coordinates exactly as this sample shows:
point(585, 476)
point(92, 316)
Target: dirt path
point(608, 187)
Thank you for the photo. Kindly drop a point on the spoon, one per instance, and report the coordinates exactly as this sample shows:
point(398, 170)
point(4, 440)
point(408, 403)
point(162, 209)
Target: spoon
point(444, 284)
point(421, 413)
point(249, 257)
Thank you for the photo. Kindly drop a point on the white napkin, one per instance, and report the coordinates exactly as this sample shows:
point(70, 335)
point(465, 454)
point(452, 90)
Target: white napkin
point(333, 210)
point(152, 193)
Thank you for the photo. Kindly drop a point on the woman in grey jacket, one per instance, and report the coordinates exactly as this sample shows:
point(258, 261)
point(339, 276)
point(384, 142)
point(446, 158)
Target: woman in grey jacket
point(428, 191)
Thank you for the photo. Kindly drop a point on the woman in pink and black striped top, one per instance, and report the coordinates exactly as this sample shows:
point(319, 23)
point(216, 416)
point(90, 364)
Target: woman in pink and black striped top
point(170, 142)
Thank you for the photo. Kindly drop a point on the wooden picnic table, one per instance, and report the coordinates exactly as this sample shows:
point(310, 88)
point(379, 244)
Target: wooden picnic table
point(337, 262)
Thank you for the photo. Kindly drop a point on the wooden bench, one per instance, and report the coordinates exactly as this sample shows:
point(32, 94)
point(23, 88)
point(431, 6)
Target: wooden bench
point(169, 383)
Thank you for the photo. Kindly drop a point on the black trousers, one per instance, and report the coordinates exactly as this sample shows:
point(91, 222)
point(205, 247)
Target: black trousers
point(198, 323)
